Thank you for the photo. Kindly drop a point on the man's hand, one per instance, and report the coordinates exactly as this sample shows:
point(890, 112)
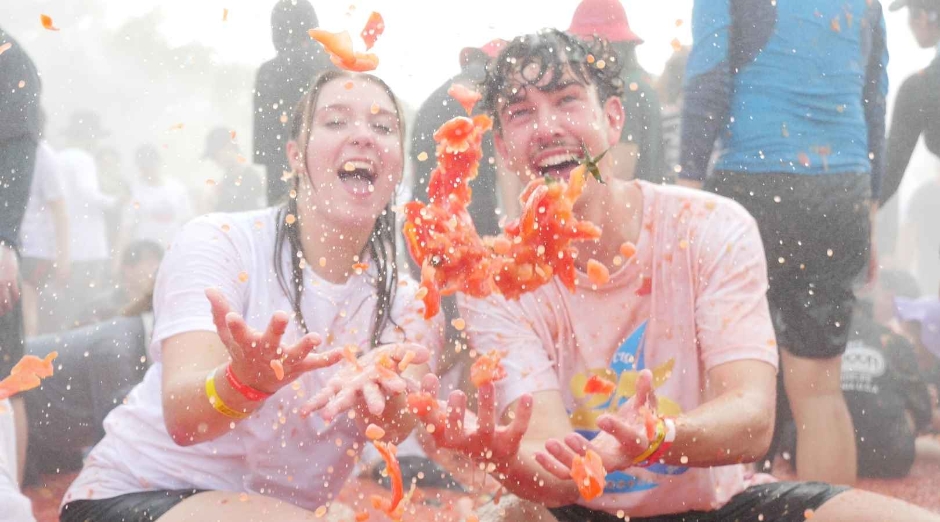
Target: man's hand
point(476, 436)
point(622, 439)
point(9, 283)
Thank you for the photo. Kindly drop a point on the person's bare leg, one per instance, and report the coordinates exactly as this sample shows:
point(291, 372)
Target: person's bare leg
point(825, 436)
point(22, 434)
point(226, 506)
point(856, 505)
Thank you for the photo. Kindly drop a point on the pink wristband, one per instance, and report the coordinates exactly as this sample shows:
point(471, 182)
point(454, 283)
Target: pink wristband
point(246, 391)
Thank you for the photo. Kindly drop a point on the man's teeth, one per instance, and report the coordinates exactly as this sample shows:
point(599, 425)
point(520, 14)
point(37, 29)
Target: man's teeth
point(556, 159)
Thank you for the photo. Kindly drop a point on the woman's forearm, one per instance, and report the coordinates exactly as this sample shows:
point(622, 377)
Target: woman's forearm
point(190, 416)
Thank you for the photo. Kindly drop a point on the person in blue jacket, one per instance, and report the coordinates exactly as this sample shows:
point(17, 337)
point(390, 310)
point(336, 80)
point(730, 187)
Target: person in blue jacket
point(794, 93)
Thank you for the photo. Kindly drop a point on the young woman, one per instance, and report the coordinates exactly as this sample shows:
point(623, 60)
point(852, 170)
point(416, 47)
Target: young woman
point(213, 430)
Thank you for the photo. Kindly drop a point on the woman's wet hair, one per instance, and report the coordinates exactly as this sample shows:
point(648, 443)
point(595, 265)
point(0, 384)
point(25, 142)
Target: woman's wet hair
point(381, 245)
point(553, 53)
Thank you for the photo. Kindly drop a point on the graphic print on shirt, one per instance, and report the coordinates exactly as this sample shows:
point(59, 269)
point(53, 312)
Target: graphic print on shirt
point(624, 369)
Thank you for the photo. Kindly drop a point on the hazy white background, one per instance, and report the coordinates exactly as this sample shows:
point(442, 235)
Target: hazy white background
point(147, 65)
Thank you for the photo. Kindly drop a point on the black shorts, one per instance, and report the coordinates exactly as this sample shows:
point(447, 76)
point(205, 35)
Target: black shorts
point(817, 235)
point(146, 506)
point(777, 502)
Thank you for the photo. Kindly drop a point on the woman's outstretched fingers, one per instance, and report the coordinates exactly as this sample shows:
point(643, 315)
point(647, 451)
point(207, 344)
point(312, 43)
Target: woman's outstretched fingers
point(275, 330)
point(315, 361)
point(220, 309)
point(242, 335)
point(342, 401)
point(296, 353)
point(375, 399)
point(394, 385)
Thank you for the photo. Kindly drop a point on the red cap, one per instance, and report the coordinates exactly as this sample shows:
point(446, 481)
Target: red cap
point(491, 49)
point(604, 18)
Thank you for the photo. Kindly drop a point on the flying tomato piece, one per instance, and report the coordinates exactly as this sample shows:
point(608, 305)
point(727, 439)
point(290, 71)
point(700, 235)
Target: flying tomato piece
point(597, 385)
point(628, 250)
point(374, 432)
point(597, 272)
point(27, 374)
point(278, 368)
point(339, 44)
point(589, 475)
point(465, 96)
point(487, 368)
point(389, 453)
point(375, 26)
point(47, 23)
point(422, 404)
point(361, 62)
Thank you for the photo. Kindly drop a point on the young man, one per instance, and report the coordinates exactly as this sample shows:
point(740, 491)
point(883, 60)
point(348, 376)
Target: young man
point(682, 326)
point(795, 92)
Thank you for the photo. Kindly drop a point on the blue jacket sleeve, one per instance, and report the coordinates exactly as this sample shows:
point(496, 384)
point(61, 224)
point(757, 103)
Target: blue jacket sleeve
point(707, 86)
point(875, 93)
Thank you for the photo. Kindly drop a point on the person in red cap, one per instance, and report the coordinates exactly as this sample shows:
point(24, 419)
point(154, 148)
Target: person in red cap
point(643, 126)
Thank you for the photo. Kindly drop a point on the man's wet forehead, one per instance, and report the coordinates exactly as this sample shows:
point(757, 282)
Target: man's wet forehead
point(527, 77)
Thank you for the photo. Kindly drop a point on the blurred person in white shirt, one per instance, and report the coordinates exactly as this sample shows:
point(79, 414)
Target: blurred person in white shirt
point(44, 240)
point(158, 206)
point(87, 204)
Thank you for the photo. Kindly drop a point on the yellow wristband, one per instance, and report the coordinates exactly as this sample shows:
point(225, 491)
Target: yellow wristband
point(660, 436)
point(217, 402)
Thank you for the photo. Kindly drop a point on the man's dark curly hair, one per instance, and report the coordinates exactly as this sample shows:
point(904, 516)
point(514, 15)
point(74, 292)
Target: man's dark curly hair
point(592, 62)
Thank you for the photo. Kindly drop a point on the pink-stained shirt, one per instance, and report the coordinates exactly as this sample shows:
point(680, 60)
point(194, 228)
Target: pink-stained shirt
point(693, 297)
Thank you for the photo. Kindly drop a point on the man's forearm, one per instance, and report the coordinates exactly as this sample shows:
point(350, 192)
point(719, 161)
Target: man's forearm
point(733, 428)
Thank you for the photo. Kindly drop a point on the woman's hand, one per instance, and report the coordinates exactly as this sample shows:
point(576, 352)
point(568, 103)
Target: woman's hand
point(477, 436)
point(622, 439)
point(255, 355)
point(370, 381)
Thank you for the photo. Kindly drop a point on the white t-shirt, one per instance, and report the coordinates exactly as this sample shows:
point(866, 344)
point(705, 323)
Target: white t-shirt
point(274, 452)
point(38, 233)
point(156, 213)
point(86, 206)
point(14, 507)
